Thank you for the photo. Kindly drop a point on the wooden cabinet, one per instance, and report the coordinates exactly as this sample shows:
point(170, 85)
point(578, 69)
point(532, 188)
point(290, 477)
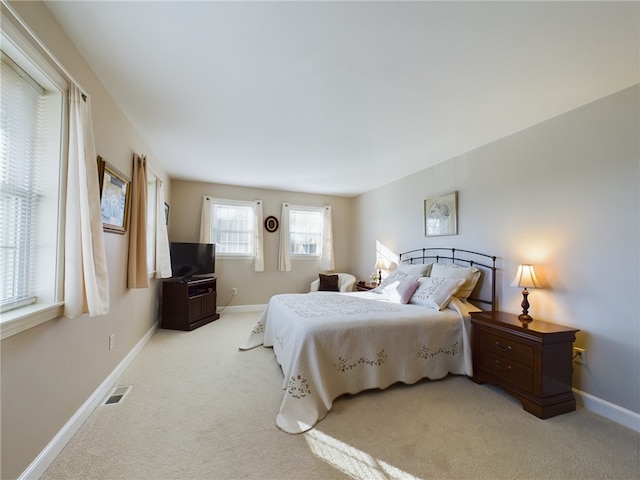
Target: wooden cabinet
point(532, 363)
point(188, 305)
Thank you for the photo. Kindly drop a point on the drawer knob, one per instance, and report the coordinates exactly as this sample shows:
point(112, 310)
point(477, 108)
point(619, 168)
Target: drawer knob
point(504, 349)
point(508, 367)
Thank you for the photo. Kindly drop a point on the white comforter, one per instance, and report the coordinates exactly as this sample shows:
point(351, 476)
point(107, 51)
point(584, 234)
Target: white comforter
point(329, 344)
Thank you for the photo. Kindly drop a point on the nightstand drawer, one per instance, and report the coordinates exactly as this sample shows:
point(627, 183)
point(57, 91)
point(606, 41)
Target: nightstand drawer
point(506, 370)
point(507, 348)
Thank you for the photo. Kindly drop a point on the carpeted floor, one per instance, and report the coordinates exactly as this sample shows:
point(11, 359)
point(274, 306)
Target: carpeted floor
point(201, 409)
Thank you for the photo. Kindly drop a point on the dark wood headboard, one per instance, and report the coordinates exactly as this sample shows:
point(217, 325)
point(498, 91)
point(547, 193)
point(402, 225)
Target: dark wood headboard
point(485, 263)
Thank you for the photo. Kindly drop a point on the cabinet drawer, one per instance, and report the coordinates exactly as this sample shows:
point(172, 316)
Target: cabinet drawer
point(507, 348)
point(506, 370)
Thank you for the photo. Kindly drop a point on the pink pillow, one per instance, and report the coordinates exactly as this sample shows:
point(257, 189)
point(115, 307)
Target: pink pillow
point(403, 291)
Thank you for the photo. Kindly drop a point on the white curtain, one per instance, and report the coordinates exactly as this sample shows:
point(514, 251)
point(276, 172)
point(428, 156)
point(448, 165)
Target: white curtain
point(163, 258)
point(327, 261)
point(284, 251)
point(205, 220)
point(258, 259)
point(86, 281)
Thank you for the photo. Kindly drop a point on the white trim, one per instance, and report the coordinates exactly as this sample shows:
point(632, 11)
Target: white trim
point(608, 410)
point(12, 15)
point(21, 319)
point(243, 308)
point(55, 446)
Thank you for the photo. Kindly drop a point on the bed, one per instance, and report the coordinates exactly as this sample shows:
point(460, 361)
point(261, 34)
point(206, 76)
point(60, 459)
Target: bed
point(329, 343)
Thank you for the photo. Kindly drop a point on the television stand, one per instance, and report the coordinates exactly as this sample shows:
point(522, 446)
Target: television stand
point(187, 305)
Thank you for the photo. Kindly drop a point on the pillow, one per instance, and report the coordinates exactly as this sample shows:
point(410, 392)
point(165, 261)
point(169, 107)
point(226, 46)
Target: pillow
point(470, 275)
point(416, 269)
point(328, 283)
point(435, 292)
point(403, 291)
point(389, 283)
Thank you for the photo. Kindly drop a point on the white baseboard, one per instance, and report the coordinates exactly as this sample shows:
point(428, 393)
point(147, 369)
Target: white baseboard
point(243, 308)
point(55, 446)
point(608, 410)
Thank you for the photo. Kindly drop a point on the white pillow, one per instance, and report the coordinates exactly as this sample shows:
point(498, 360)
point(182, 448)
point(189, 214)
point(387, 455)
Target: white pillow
point(435, 292)
point(402, 291)
point(394, 277)
point(415, 269)
point(470, 275)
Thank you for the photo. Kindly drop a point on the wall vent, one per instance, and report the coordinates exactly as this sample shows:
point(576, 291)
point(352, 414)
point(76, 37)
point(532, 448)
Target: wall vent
point(118, 395)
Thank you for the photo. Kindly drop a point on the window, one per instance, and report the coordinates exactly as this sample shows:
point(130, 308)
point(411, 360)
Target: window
point(306, 225)
point(31, 172)
point(232, 225)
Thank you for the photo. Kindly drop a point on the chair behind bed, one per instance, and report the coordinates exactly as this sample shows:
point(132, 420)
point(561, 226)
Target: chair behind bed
point(485, 263)
point(346, 281)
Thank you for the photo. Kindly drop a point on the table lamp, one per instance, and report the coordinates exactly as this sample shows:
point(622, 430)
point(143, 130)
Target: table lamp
point(380, 265)
point(525, 278)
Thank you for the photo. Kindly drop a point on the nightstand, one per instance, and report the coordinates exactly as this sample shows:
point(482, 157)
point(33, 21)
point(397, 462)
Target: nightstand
point(365, 286)
point(531, 363)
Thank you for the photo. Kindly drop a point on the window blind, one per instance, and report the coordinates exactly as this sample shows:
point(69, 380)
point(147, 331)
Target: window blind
point(21, 105)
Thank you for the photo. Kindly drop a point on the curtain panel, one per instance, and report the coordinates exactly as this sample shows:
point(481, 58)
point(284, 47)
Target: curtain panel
point(284, 245)
point(163, 257)
point(86, 281)
point(138, 276)
point(327, 262)
point(258, 255)
point(205, 220)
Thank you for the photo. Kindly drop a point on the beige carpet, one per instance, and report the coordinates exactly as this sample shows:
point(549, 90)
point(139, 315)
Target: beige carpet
point(201, 409)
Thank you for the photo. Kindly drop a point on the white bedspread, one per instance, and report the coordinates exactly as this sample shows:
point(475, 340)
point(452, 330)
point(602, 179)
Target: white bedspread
point(329, 344)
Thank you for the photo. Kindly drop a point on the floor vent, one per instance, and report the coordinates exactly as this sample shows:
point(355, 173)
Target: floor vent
point(118, 395)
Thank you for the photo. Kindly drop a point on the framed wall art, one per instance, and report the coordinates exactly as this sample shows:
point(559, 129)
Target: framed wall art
point(441, 215)
point(115, 193)
point(271, 224)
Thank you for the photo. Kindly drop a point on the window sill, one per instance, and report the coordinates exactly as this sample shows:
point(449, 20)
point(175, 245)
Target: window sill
point(21, 319)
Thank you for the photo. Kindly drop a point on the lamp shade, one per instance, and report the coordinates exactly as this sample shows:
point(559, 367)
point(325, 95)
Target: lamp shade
point(525, 277)
point(381, 264)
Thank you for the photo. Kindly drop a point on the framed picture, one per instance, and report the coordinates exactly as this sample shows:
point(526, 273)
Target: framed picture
point(441, 215)
point(271, 224)
point(115, 193)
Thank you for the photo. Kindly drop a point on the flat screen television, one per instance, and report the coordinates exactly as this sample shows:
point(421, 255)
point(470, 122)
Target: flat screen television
point(192, 260)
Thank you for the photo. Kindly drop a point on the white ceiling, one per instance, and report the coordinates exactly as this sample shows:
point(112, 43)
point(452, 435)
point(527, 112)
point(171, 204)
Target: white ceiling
point(343, 97)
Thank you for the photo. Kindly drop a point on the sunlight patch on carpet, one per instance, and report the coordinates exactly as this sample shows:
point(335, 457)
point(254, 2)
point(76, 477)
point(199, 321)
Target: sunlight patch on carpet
point(351, 461)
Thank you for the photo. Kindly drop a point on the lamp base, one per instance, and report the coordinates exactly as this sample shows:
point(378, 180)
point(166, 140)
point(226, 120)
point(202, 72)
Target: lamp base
point(525, 319)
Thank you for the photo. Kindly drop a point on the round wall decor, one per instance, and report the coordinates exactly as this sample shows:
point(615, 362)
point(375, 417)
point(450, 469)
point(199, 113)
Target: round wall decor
point(271, 224)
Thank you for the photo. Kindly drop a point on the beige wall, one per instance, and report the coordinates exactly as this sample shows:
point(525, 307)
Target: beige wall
point(255, 288)
point(49, 371)
point(563, 195)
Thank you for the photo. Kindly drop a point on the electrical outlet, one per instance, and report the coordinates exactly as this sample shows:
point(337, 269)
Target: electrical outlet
point(579, 355)
point(234, 291)
point(112, 341)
